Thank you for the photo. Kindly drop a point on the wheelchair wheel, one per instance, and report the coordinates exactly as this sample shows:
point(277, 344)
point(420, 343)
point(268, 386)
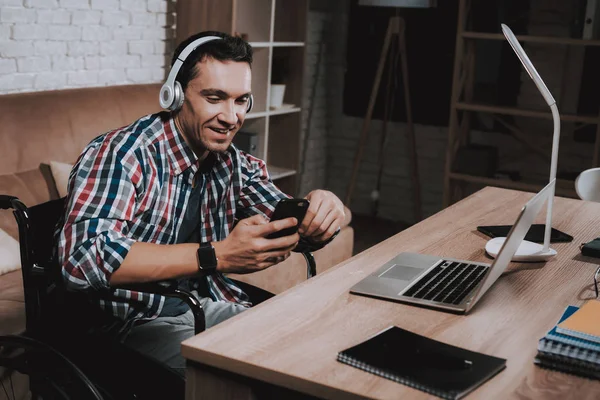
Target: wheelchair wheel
point(30, 369)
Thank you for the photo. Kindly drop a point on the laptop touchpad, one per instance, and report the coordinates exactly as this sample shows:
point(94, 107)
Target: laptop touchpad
point(401, 272)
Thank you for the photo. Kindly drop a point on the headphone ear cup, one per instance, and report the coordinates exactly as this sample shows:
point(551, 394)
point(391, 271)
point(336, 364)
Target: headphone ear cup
point(165, 97)
point(178, 97)
point(250, 104)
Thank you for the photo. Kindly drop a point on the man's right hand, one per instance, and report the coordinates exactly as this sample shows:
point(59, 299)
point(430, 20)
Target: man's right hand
point(247, 250)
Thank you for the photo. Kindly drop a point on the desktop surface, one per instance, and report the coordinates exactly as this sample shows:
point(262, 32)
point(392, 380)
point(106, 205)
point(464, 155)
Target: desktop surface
point(293, 339)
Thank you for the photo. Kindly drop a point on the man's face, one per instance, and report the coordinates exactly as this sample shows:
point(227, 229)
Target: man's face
point(215, 105)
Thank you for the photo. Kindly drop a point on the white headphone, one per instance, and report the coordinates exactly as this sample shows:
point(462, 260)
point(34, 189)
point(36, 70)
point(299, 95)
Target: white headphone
point(171, 94)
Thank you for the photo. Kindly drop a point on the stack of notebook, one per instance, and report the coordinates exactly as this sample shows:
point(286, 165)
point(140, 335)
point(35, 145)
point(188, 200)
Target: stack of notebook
point(573, 345)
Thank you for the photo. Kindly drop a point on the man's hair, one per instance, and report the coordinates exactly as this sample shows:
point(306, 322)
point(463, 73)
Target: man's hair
point(230, 48)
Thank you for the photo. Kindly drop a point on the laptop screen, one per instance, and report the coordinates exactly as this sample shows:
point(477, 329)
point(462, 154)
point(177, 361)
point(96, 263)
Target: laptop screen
point(516, 235)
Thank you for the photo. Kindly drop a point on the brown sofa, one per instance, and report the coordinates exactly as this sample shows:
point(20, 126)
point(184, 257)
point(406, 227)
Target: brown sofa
point(36, 128)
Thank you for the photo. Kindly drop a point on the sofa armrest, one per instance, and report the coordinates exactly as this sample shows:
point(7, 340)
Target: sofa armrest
point(291, 272)
point(348, 217)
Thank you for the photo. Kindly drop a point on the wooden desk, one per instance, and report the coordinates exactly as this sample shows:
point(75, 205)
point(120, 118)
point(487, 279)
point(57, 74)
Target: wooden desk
point(292, 340)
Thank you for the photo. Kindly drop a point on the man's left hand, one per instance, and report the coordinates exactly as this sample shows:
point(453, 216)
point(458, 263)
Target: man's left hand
point(324, 216)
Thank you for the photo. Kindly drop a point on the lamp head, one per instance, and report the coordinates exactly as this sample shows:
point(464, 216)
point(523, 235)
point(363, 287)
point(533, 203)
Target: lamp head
point(533, 74)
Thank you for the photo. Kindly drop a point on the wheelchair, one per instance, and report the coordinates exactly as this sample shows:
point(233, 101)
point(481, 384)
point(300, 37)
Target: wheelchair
point(55, 352)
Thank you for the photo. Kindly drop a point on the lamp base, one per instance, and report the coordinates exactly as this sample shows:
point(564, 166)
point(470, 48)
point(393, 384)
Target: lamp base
point(526, 252)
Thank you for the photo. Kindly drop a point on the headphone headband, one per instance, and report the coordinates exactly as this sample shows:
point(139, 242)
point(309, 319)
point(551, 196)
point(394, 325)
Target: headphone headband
point(171, 93)
point(169, 97)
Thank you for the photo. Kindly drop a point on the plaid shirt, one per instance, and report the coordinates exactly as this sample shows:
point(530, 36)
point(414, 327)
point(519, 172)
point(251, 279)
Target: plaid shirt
point(133, 184)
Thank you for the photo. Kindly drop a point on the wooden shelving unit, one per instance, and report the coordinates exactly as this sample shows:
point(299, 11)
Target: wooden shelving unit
point(462, 106)
point(276, 29)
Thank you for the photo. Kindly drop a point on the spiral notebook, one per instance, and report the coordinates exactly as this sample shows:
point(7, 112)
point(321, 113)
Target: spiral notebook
point(434, 367)
point(571, 340)
point(584, 323)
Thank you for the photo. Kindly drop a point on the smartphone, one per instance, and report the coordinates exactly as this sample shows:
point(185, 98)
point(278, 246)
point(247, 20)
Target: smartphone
point(535, 233)
point(287, 208)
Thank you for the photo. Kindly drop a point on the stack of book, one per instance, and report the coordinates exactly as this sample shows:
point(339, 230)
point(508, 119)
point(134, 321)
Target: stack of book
point(573, 345)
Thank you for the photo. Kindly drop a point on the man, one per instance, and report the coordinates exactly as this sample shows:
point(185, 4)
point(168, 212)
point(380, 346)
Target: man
point(148, 200)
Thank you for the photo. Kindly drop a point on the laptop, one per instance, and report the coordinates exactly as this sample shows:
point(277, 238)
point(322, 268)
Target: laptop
point(444, 283)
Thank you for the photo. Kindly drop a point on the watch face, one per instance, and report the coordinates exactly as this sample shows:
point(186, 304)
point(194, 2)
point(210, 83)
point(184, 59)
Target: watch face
point(207, 260)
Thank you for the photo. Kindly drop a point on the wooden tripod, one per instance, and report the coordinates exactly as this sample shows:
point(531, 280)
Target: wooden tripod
point(395, 28)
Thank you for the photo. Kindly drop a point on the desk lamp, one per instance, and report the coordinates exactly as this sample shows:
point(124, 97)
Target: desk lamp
point(530, 251)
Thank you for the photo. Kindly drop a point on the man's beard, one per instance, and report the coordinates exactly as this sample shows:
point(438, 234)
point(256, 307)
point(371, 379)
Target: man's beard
point(202, 145)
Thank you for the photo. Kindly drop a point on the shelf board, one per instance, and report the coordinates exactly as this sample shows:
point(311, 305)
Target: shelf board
point(285, 111)
point(254, 115)
point(565, 188)
point(532, 39)
point(277, 44)
point(279, 172)
point(261, 114)
point(590, 119)
point(288, 44)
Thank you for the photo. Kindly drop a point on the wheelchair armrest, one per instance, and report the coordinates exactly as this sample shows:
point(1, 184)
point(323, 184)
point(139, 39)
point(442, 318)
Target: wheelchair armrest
point(311, 265)
point(8, 202)
point(306, 247)
point(169, 288)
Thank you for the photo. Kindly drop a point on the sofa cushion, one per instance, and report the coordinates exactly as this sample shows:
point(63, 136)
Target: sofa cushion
point(57, 124)
point(60, 175)
point(10, 259)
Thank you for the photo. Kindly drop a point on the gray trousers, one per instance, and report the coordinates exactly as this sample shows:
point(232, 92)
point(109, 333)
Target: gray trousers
point(161, 338)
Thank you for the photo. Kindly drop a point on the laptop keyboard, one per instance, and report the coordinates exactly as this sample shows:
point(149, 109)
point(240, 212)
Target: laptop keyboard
point(449, 282)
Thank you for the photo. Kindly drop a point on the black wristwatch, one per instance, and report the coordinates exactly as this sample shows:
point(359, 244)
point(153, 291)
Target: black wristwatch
point(207, 259)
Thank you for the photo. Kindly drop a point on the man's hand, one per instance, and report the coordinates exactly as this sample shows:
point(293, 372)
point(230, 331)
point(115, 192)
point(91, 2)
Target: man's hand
point(247, 250)
point(324, 216)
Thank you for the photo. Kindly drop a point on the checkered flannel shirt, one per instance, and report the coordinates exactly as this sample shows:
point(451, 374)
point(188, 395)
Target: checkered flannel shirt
point(133, 184)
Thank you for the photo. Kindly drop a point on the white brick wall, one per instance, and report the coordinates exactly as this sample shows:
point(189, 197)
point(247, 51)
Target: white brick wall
point(57, 44)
